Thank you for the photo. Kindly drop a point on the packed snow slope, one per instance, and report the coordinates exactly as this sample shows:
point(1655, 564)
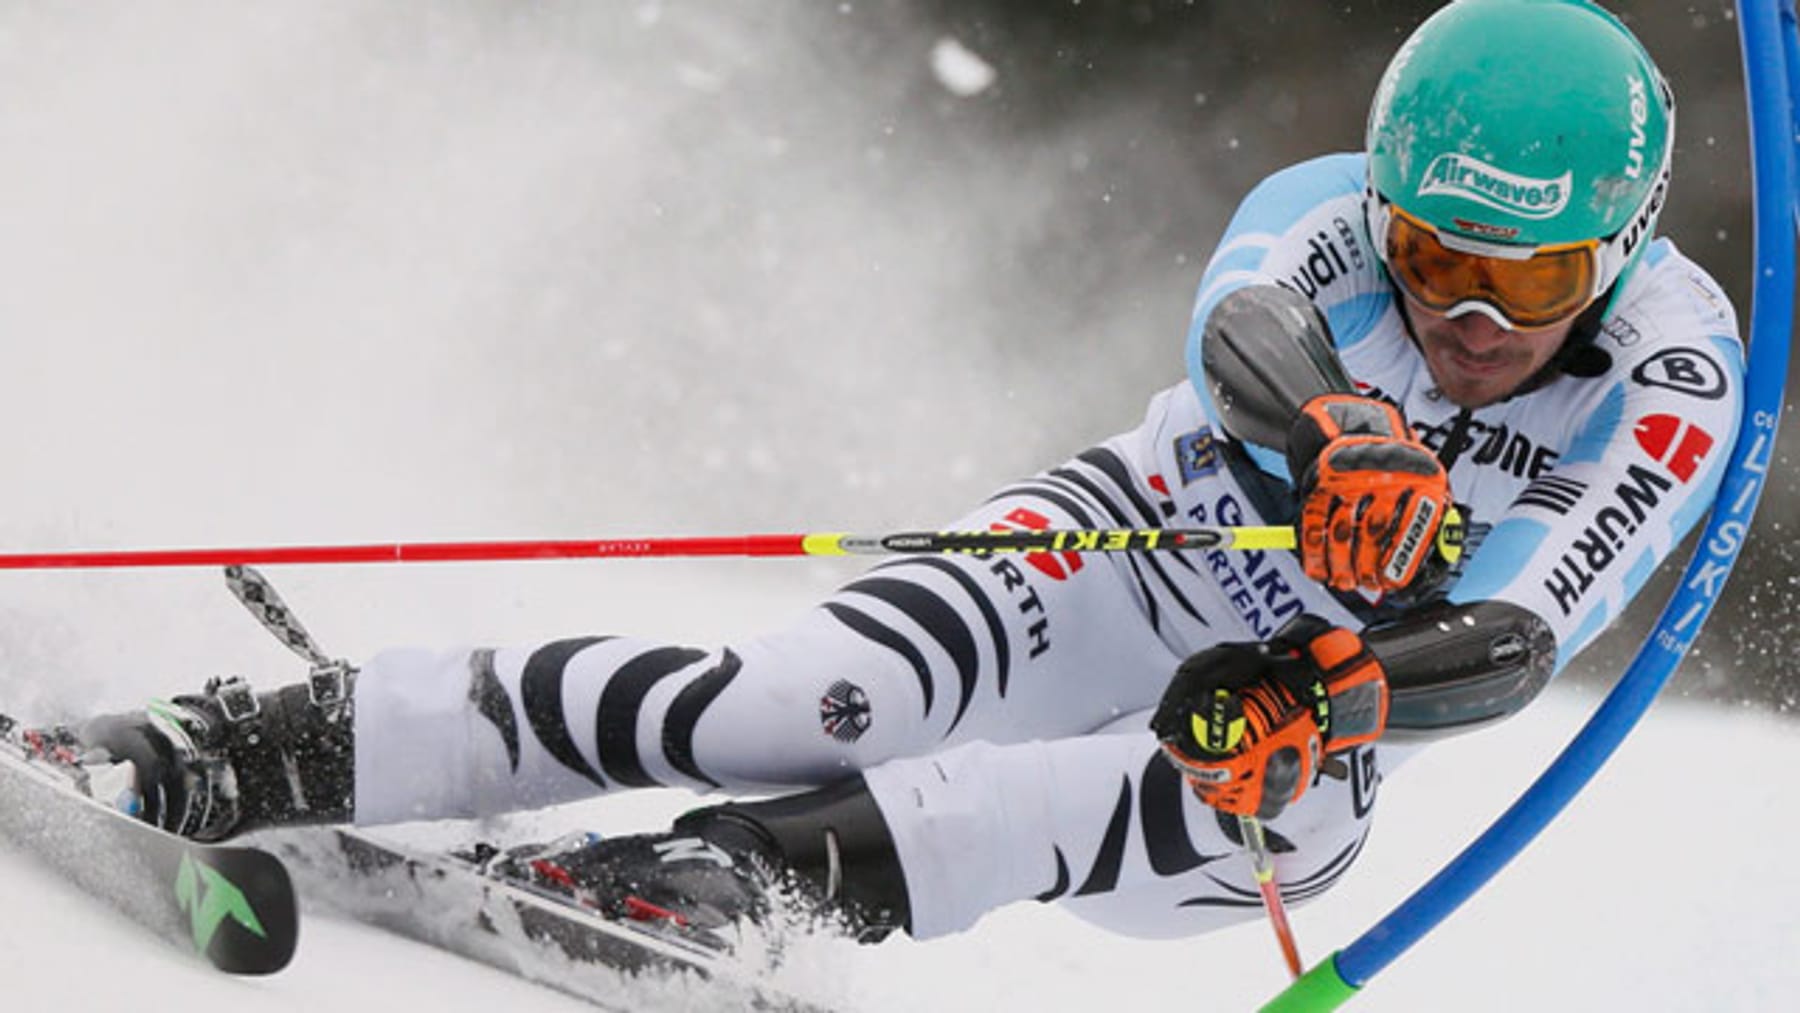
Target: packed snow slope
point(1668, 886)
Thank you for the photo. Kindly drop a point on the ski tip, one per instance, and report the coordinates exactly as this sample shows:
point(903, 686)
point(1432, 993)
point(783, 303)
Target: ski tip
point(241, 908)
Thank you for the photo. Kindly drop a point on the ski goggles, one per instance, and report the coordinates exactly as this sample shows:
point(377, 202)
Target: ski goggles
point(1532, 287)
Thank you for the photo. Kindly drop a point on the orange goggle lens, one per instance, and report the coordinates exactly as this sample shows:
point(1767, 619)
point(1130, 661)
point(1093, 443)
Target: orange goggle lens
point(1550, 286)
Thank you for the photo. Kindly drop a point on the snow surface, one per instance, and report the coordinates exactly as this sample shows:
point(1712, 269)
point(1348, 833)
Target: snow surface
point(366, 272)
point(1638, 899)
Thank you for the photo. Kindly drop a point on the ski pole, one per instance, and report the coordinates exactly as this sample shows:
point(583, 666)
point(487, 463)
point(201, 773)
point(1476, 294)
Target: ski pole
point(1262, 863)
point(815, 544)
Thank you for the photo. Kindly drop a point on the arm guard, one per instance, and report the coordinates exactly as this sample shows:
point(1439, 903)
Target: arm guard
point(1451, 668)
point(1267, 351)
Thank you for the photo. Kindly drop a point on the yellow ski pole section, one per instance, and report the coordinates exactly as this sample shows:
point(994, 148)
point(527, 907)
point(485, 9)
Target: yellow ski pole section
point(1053, 540)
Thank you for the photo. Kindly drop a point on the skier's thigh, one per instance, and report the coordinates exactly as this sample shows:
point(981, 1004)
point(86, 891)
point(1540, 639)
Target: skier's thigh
point(1011, 646)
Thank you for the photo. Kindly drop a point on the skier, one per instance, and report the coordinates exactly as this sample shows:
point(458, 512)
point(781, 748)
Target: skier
point(1458, 362)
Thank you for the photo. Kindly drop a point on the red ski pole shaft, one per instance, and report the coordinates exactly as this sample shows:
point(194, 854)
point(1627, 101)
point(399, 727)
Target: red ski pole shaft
point(816, 544)
point(1262, 863)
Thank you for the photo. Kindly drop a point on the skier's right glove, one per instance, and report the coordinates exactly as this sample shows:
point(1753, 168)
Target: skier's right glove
point(1372, 496)
point(1247, 723)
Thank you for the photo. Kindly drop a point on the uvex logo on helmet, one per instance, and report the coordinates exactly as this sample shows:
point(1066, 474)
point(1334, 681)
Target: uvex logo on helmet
point(1455, 175)
point(1639, 104)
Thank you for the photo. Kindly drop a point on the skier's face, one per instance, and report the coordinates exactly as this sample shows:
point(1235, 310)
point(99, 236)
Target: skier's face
point(1475, 360)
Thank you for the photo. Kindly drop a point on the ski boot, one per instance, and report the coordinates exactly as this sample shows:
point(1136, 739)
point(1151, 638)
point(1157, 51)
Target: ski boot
point(229, 760)
point(823, 853)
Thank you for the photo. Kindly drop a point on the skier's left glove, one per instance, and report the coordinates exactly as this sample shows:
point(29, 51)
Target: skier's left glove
point(1372, 496)
point(1247, 723)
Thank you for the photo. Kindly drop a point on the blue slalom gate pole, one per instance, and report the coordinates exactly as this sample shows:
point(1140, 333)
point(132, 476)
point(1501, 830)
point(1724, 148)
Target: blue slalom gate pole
point(1767, 29)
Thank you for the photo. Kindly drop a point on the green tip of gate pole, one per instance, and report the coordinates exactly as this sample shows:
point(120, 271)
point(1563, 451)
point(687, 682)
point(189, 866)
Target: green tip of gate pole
point(1321, 988)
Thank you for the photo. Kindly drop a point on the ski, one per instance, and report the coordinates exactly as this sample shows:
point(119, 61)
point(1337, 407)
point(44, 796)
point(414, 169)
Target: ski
point(448, 902)
point(233, 905)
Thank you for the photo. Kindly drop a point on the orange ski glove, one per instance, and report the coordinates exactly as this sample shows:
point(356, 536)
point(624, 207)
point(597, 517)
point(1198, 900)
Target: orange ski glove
point(1248, 723)
point(1372, 497)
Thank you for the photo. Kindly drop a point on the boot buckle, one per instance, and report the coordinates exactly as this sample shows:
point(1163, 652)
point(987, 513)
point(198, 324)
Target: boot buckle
point(328, 686)
point(237, 701)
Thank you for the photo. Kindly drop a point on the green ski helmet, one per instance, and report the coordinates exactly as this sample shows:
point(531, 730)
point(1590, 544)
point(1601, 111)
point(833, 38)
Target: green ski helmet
point(1533, 134)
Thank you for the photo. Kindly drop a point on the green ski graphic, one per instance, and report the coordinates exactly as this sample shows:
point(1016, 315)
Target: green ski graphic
point(209, 898)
